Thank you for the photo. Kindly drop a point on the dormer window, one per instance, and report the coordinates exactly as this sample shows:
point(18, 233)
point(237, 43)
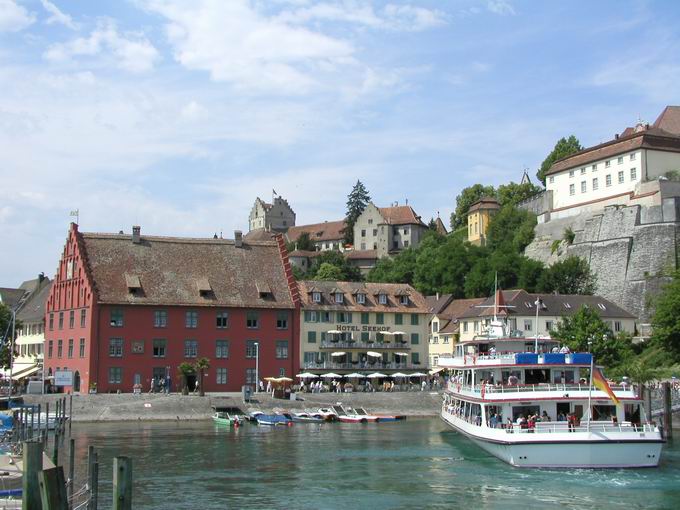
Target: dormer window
point(382, 298)
point(361, 298)
point(134, 285)
point(316, 297)
point(403, 300)
point(264, 291)
point(339, 297)
point(204, 288)
point(601, 306)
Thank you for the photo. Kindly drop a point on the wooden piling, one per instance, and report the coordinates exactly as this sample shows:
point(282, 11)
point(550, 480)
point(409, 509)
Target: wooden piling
point(90, 474)
point(39, 418)
point(32, 423)
point(57, 418)
point(70, 413)
point(667, 410)
point(32, 466)
point(47, 416)
point(53, 489)
point(122, 483)
point(71, 466)
point(94, 492)
point(55, 451)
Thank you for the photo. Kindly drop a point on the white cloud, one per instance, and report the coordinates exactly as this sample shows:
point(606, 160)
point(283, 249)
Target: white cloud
point(131, 52)
point(57, 16)
point(14, 17)
point(501, 7)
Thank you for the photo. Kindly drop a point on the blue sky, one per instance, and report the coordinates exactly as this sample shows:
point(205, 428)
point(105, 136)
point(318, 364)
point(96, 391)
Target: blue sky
point(175, 115)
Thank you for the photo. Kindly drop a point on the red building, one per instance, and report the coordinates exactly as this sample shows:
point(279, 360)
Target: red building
point(126, 309)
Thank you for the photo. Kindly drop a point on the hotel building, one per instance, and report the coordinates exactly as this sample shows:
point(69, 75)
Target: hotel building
point(128, 309)
point(362, 327)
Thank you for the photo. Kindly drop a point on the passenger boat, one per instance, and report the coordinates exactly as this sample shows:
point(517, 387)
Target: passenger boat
point(495, 387)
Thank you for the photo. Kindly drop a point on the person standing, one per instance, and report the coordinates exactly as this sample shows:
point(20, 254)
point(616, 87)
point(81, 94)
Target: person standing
point(152, 387)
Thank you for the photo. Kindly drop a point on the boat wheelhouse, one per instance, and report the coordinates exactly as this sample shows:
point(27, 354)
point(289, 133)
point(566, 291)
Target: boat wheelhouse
point(532, 404)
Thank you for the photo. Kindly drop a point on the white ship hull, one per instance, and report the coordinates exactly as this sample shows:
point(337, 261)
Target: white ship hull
point(578, 449)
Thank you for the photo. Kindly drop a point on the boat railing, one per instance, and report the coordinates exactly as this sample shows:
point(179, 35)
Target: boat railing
point(523, 358)
point(526, 388)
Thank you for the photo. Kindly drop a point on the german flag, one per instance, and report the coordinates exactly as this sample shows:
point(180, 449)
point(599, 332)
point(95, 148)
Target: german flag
point(601, 383)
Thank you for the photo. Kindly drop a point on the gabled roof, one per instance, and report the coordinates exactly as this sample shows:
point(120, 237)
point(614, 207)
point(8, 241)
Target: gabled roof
point(457, 307)
point(326, 231)
point(33, 309)
point(350, 290)
point(361, 254)
point(172, 269)
point(484, 204)
point(521, 303)
point(400, 215)
point(11, 297)
point(439, 302)
point(664, 134)
point(259, 234)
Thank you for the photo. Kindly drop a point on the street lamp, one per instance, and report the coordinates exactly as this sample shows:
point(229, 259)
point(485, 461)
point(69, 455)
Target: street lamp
point(538, 304)
point(257, 367)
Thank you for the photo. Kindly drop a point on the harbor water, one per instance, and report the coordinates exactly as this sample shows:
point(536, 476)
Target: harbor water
point(418, 463)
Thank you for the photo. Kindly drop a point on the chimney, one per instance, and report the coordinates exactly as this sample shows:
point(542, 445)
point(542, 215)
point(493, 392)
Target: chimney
point(41, 278)
point(437, 296)
point(616, 136)
point(238, 238)
point(406, 201)
point(136, 234)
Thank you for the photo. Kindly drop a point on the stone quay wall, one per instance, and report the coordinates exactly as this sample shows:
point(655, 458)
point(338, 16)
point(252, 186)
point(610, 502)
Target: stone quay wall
point(631, 249)
point(161, 407)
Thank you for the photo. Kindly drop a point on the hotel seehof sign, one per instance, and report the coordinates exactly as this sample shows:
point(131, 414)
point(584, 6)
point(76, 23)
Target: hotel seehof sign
point(363, 328)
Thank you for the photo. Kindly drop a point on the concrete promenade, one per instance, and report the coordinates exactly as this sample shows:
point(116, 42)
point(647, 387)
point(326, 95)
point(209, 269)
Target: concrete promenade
point(150, 407)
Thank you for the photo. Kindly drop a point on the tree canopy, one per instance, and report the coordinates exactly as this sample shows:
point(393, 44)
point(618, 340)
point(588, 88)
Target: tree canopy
point(357, 200)
point(666, 319)
point(569, 276)
point(585, 326)
point(563, 148)
point(465, 199)
point(330, 265)
point(328, 271)
point(6, 335)
point(303, 243)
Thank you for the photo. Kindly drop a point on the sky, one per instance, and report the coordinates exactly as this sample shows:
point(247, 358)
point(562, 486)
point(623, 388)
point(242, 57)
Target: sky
point(175, 115)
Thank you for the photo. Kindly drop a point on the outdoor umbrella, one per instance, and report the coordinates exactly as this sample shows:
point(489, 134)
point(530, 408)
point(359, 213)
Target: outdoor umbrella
point(375, 375)
point(283, 379)
point(331, 376)
point(401, 353)
point(334, 332)
point(307, 375)
point(355, 375)
point(374, 354)
point(417, 374)
point(336, 354)
point(399, 374)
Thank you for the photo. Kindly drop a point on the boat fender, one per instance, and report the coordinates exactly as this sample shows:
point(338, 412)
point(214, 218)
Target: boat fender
point(290, 423)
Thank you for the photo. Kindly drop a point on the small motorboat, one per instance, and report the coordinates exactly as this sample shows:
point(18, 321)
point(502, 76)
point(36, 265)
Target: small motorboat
point(273, 419)
point(328, 414)
point(221, 418)
point(380, 417)
point(349, 415)
point(306, 417)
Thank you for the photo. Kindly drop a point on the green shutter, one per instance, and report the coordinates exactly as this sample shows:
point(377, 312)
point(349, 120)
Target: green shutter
point(398, 319)
point(364, 317)
point(364, 336)
point(414, 319)
point(307, 315)
point(415, 339)
point(349, 317)
point(311, 337)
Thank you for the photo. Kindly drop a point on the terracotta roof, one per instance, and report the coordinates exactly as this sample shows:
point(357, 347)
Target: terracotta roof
point(361, 254)
point(438, 303)
point(484, 203)
point(400, 215)
point(326, 231)
point(457, 307)
point(33, 309)
point(417, 303)
point(521, 303)
point(664, 134)
point(259, 234)
point(171, 271)
point(450, 327)
point(304, 253)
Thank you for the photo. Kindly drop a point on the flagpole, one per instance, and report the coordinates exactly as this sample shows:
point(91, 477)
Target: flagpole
point(590, 385)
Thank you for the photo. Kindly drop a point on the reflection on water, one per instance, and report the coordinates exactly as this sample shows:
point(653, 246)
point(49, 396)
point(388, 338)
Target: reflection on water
point(412, 464)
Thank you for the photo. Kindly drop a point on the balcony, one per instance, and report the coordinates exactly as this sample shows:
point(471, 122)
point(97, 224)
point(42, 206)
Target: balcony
point(371, 346)
point(357, 365)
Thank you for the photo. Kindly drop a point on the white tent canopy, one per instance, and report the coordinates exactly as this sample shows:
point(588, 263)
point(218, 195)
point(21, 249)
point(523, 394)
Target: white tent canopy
point(374, 354)
point(398, 333)
point(401, 353)
point(306, 375)
point(418, 374)
point(331, 376)
point(337, 354)
point(355, 375)
point(399, 374)
point(375, 375)
point(334, 332)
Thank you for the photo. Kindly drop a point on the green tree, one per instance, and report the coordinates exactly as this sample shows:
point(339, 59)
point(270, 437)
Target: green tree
point(6, 335)
point(303, 242)
point(666, 319)
point(185, 370)
point(348, 272)
point(563, 148)
point(511, 229)
point(201, 365)
point(465, 199)
point(513, 193)
point(328, 271)
point(441, 265)
point(587, 325)
point(357, 201)
point(569, 276)
point(399, 269)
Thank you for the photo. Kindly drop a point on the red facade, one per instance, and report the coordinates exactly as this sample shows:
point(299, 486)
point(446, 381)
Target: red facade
point(125, 344)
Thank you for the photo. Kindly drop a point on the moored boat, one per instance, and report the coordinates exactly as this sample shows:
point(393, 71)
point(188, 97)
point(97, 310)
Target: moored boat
point(545, 409)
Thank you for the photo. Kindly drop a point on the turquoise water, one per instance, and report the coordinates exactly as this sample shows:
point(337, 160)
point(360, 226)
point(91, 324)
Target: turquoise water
point(419, 463)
